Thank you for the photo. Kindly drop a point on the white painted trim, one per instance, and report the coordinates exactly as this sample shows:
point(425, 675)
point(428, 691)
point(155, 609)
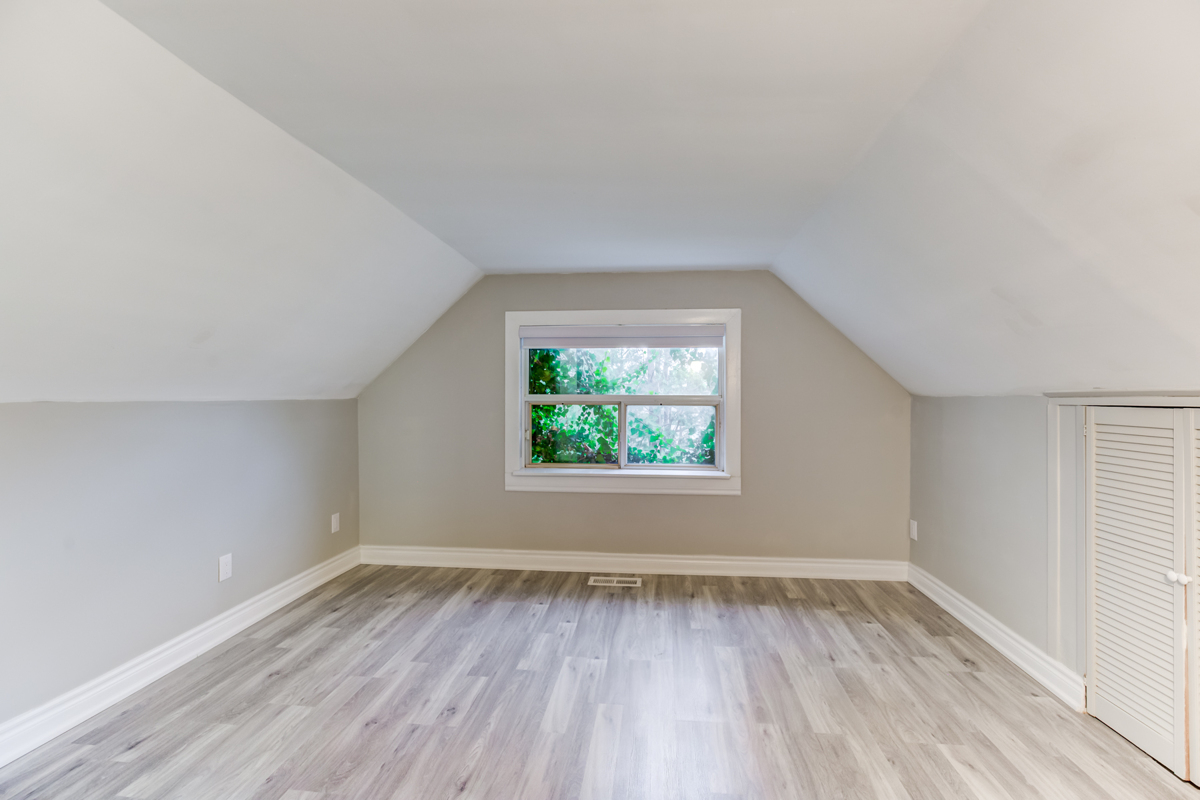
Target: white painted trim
point(1059, 679)
point(648, 564)
point(1067, 602)
point(34, 728)
point(518, 479)
point(1156, 400)
point(612, 473)
point(1053, 532)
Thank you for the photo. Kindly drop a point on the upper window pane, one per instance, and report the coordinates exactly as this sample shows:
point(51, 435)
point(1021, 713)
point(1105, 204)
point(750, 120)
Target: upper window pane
point(624, 370)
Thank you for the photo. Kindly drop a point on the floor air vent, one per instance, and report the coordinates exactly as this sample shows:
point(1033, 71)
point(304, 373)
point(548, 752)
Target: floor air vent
point(608, 580)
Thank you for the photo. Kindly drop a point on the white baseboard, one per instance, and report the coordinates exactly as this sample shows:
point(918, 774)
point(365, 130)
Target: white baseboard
point(579, 561)
point(34, 728)
point(1059, 679)
point(23, 734)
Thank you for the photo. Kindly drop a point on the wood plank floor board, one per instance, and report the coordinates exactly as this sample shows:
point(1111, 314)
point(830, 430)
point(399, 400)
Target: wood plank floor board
point(43, 767)
point(408, 682)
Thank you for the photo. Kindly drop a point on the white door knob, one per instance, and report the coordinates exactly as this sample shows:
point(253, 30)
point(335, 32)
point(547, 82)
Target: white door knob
point(1184, 580)
point(1172, 576)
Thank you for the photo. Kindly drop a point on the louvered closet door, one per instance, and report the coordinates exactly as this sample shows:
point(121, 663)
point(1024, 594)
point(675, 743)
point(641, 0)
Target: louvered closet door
point(1191, 486)
point(1136, 516)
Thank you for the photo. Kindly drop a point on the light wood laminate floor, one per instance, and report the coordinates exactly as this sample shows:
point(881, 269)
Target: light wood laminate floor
point(437, 683)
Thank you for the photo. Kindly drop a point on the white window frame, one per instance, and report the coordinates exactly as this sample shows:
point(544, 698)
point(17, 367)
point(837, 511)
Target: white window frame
point(725, 480)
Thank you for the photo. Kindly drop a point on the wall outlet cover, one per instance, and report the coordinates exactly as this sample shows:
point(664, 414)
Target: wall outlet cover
point(225, 567)
point(912, 529)
point(337, 522)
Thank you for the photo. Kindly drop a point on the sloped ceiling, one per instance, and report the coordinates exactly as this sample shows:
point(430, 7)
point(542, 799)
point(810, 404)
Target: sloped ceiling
point(988, 199)
point(160, 240)
point(592, 134)
point(1031, 221)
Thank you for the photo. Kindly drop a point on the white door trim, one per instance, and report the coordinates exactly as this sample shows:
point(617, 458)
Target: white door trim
point(1066, 555)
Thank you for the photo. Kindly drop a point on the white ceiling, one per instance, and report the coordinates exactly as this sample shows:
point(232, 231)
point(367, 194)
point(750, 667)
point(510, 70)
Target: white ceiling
point(594, 134)
point(991, 199)
point(1031, 221)
point(160, 240)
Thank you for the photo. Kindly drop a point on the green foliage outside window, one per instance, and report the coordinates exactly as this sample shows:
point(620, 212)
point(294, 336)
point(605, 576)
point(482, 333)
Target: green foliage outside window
point(623, 370)
point(574, 434)
point(672, 435)
point(589, 434)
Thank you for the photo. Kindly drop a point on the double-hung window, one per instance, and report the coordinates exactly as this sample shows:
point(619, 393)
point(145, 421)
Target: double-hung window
point(631, 401)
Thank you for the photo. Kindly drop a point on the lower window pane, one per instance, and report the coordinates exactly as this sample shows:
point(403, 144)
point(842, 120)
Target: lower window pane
point(574, 434)
point(672, 435)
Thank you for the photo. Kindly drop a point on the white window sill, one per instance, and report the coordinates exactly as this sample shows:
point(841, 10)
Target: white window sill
point(627, 472)
point(624, 481)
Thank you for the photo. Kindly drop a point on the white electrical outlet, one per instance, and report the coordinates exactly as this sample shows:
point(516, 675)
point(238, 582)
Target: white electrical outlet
point(225, 567)
point(912, 529)
point(337, 522)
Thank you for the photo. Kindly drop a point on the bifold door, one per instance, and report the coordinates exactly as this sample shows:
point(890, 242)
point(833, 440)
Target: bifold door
point(1141, 523)
point(1191, 487)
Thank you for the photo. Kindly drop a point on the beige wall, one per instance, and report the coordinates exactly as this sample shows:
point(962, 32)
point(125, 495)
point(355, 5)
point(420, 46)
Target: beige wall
point(979, 498)
point(114, 515)
point(825, 435)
